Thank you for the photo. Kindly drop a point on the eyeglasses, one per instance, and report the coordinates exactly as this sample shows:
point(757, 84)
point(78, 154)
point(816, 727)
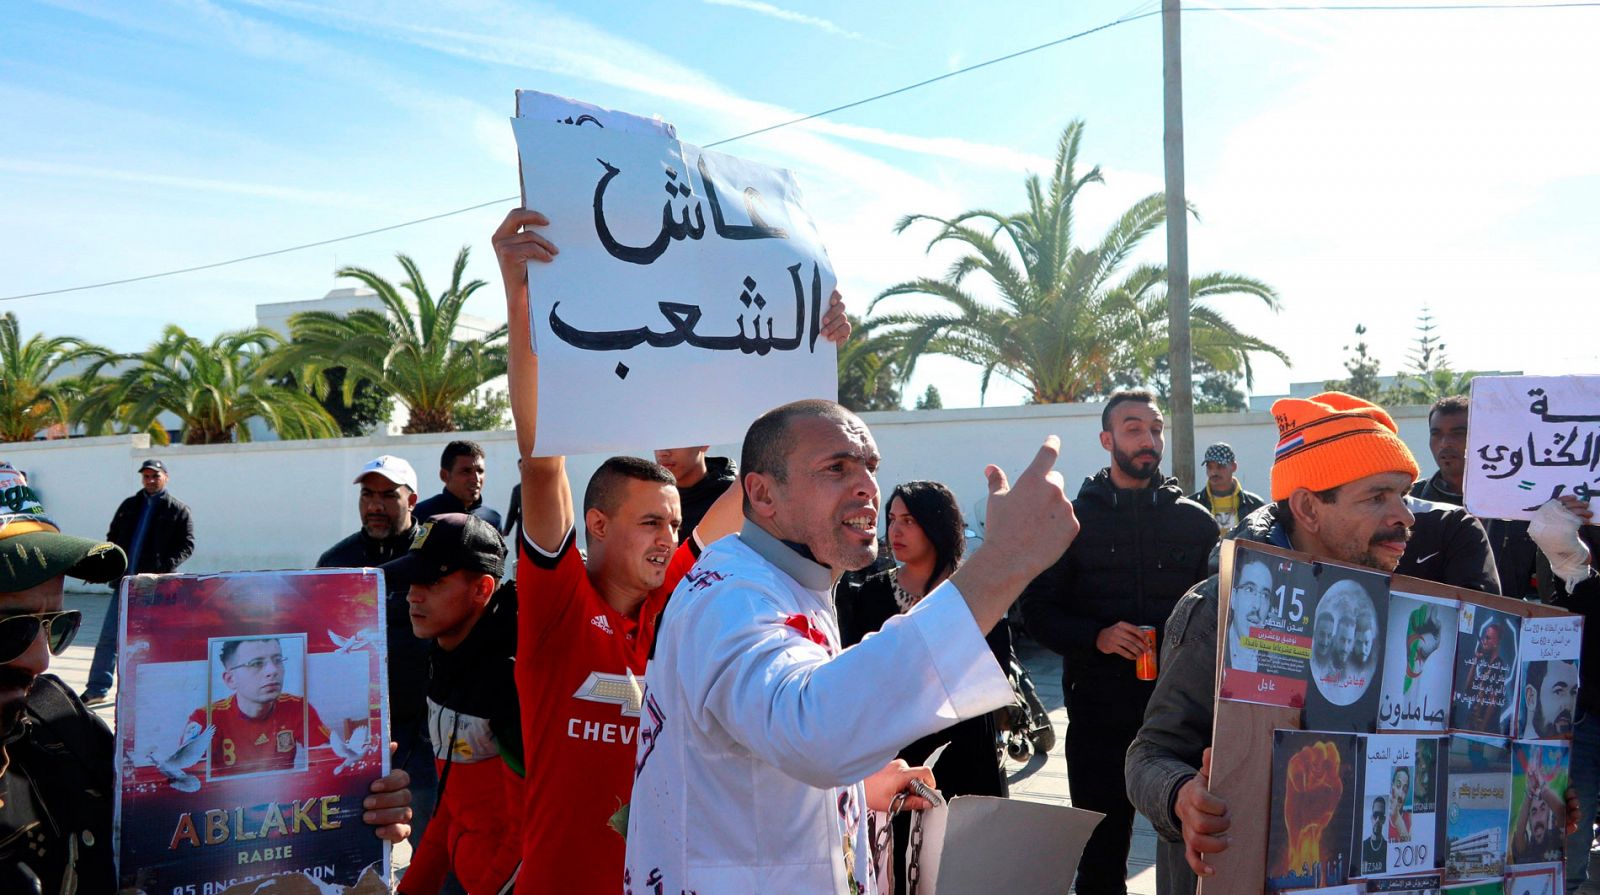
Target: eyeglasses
point(17, 632)
point(258, 664)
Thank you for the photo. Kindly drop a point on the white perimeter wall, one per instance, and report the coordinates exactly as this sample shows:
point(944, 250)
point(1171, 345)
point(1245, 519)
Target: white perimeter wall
point(278, 505)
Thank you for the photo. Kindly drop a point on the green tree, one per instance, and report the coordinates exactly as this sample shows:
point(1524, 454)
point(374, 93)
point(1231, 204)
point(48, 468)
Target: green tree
point(868, 370)
point(1363, 369)
point(370, 406)
point(1430, 376)
point(32, 397)
point(214, 389)
point(1065, 324)
point(484, 412)
point(412, 355)
point(931, 399)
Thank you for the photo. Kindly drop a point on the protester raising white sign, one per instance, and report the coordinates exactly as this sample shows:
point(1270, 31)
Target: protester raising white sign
point(1529, 439)
point(687, 298)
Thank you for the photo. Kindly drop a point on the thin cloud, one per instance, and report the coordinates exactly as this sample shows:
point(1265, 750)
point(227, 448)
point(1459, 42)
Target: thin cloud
point(787, 15)
point(198, 184)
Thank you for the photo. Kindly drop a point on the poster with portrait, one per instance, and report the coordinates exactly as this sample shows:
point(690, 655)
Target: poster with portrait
point(1418, 662)
point(1314, 789)
point(250, 721)
point(1483, 697)
point(1269, 633)
point(1536, 879)
point(1547, 678)
point(1349, 640)
point(1397, 814)
point(1477, 806)
point(1540, 772)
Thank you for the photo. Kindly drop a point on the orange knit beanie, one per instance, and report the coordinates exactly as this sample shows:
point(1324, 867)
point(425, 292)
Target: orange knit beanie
point(1332, 439)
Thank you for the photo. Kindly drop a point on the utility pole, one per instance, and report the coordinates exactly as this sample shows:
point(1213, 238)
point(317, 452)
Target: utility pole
point(1180, 356)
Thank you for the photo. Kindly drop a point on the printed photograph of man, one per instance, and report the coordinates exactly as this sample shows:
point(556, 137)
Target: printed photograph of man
point(1249, 607)
point(1375, 848)
point(1538, 828)
point(1399, 799)
point(1482, 701)
point(1549, 697)
point(258, 727)
point(1422, 799)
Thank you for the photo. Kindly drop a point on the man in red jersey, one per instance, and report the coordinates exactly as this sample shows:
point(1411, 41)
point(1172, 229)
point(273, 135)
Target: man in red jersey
point(258, 726)
point(585, 624)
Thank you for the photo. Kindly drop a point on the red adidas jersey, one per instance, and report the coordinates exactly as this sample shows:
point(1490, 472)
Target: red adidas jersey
point(580, 715)
point(245, 745)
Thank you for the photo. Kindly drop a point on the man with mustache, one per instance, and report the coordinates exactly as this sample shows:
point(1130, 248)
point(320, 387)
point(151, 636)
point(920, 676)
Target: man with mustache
point(1143, 544)
point(57, 759)
point(386, 502)
point(1549, 694)
point(1339, 483)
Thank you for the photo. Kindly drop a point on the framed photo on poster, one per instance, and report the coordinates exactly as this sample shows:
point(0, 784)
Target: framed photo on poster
point(250, 723)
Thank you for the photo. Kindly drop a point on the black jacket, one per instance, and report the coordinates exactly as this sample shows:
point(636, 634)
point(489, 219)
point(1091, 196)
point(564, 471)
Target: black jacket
point(1249, 502)
point(1515, 555)
point(698, 498)
point(408, 655)
point(445, 502)
point(169, 540)
point(1448, 545)
point(475, 678)
point(58, 789)
point(1137, 552)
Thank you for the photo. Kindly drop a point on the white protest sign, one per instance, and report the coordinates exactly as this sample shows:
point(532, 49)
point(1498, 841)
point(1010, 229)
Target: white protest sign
point(687, 297)
point(1529, 439)
point(561, 110)
point(970, 847)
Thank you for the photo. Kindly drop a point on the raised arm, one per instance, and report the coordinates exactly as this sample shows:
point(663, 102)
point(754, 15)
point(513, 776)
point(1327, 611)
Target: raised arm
point(547, 513)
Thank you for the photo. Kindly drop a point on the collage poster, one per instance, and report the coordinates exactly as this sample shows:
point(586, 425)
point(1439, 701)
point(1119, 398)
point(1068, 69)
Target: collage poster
point(1418, 662)
point(1484, 693)
point(249, 728)
point(1399, 805)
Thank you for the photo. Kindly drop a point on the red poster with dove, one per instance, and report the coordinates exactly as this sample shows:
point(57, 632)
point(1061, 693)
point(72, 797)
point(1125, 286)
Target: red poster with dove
point(251, 721)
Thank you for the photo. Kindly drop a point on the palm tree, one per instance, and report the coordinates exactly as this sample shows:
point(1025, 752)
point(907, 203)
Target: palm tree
point(1062, 326)
point(411, 354)
point(867, 374)
point(214, 389)
point(29, 400)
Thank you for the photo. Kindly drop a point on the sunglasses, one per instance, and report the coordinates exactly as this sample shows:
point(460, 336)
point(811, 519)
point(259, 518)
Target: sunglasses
point(17, 632)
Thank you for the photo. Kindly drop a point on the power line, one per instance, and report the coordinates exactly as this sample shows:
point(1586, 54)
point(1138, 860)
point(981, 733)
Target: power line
point(1132, 16)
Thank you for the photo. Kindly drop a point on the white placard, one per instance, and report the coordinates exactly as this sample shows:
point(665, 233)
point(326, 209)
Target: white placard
point(687, 296)
point(971, 846)
point(1531, 438)
point(561, 110)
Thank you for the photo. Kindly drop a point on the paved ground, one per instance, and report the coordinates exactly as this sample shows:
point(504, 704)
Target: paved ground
point(1043, 778)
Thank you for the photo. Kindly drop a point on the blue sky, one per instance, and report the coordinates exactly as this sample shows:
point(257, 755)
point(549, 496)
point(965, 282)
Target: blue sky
point(1362, 163)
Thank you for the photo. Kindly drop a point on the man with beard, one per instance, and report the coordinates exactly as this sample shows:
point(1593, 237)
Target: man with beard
point(1339, 481)
point(763, 744)
point(1223, 495)
point(1537, 831)
point(1549, 694)
point(1143, 544)
point(57, 759)
point(386, 499)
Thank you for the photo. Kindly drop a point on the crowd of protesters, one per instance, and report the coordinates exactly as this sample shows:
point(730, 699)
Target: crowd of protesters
point(693, 702)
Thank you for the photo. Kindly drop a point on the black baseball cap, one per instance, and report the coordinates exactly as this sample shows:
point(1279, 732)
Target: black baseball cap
point(448, 543)
point(153, 464)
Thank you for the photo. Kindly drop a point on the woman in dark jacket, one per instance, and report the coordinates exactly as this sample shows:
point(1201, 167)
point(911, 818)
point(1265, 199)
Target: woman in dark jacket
point(927, 536)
